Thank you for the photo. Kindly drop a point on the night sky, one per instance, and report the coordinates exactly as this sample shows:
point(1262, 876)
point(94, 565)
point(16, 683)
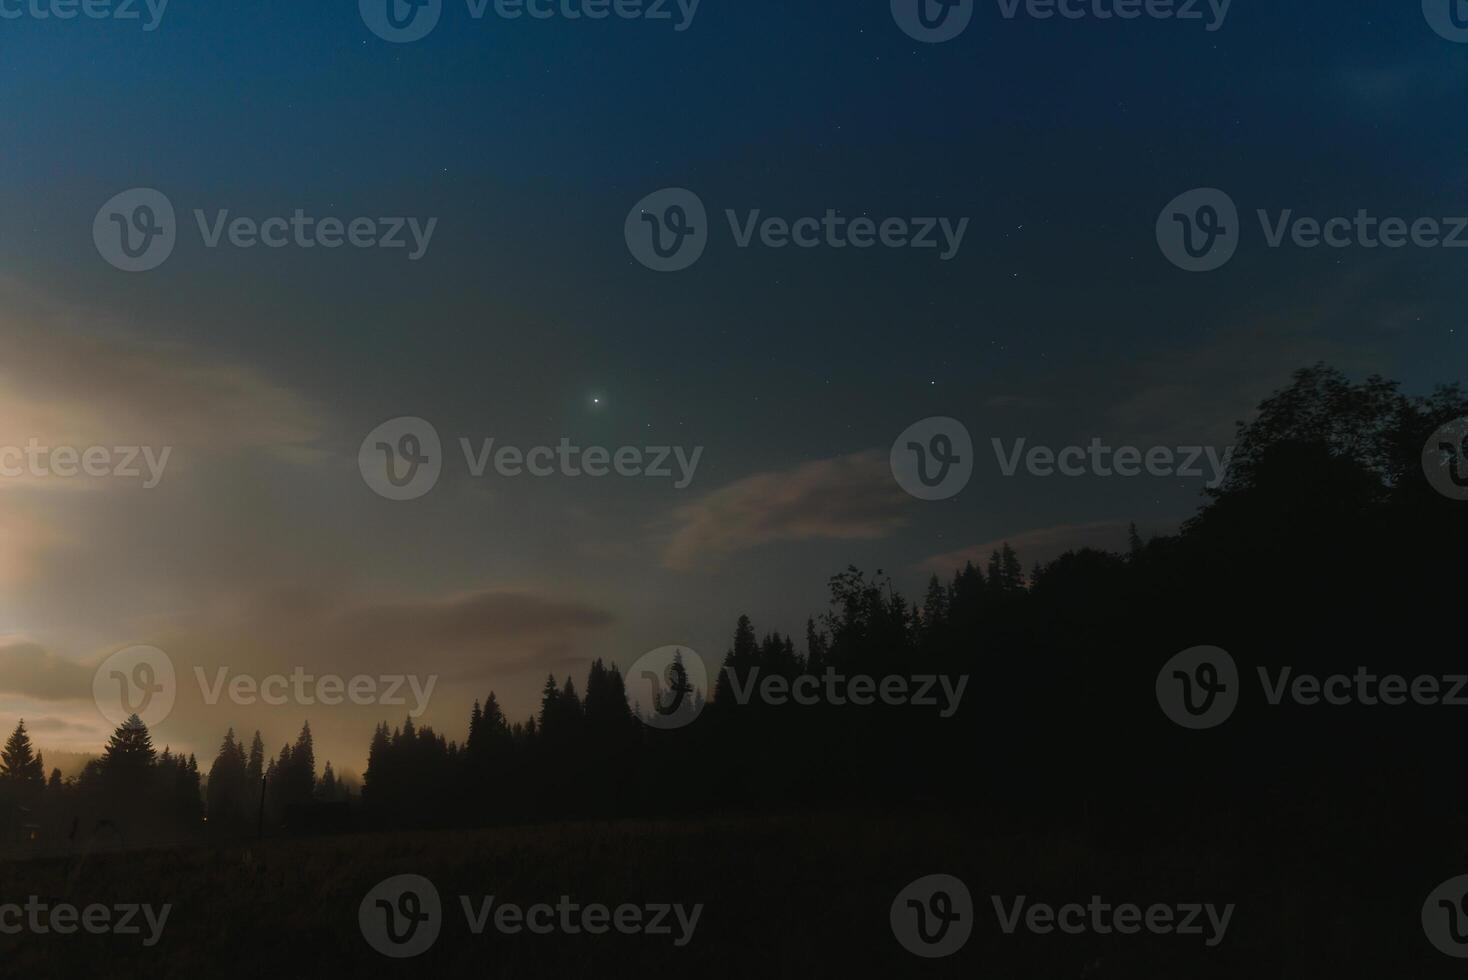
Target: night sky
point(528, 320)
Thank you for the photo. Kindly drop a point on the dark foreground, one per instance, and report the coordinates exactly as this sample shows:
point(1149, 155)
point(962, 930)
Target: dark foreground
point(783, 896)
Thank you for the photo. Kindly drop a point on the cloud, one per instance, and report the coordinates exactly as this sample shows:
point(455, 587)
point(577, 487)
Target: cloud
point(466, 633)
point(471, 642)
point(849, 498)
point(47, 725)
point(69, 378)
point(74, 378)
point(1045, 544)
point(526, 627)
point(86, 390)
point(24, 536)
point(504, 640)
point(31, 670)
point(1386, 88)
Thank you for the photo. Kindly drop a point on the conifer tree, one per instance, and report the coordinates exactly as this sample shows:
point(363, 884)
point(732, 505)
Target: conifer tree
point(18, 761)
point(129, 750)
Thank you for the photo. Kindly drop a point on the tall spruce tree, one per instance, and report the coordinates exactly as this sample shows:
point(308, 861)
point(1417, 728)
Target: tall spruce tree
point(19, 763)
point(229, 791)
point(129, 750)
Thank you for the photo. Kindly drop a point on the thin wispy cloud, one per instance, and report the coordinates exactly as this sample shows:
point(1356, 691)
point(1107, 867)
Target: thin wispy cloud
point(848, 498)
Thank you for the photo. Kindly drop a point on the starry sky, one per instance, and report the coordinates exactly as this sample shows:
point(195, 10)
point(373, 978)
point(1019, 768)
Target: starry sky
point(529, 321)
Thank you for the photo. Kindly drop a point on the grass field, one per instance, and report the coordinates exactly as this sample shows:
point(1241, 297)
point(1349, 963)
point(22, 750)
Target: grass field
point(782, 896)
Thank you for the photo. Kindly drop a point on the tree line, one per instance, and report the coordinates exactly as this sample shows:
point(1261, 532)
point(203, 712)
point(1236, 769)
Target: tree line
point(136, 794)
point(1324, 531)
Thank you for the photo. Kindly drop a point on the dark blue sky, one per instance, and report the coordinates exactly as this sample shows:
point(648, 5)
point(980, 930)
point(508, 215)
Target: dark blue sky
point(1060, 320)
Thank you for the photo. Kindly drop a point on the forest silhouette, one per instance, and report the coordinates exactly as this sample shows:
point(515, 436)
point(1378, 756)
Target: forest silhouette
point(1325, 549)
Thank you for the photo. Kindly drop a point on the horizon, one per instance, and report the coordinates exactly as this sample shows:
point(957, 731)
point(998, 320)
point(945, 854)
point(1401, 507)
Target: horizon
point(694, 485)
point(321, 269)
